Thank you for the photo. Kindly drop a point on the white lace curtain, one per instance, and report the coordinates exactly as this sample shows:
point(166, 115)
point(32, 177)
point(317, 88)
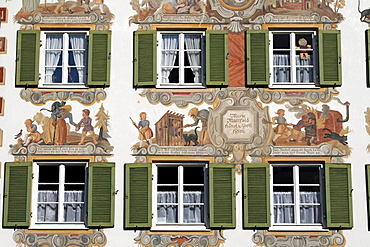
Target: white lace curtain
point(54, 42)
point(169, 214)
point(170, 46)
point(192, 44)
point(78, 44)
point(283, 74)
point(308, 213)
point(48, 211)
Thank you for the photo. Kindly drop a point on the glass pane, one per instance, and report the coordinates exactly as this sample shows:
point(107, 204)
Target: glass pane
point(167, 197)
point(54, 41)
point(281, 58)
point(283, 195)
point(309, 175)
point(310, 214)
point(47, 212)
point(193, 197)
point(73, 212)
point(303, 40)
point(74, 196)
point(77, 41)
point(283, 175)
point(283, 214)
point(281, 41)
point(167, 214)
point(167, 175)
point(193, 214)
point(48, 174)
point(193, 175)
point(75, 174)
point(282, 74)
point(309, 195)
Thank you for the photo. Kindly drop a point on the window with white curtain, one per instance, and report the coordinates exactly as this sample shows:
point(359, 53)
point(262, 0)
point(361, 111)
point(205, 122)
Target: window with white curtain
point(61, 193)
point(179, 194)
point(181, 59)
point(63, 61)
point(294, 59)
point(297, 194)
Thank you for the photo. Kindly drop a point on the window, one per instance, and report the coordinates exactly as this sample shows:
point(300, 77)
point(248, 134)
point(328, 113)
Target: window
point(296, 192)
point(59, 194)
point(63, 58)
point(293, 58)
point(180, 59)
point(300, 196)
point(181, 196)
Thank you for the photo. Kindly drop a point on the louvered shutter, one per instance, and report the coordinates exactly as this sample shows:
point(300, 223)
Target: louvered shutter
point(222, 195)
point(217, 64)
point(138, 195)
point(257, 57)
point(338, 195)
point(368, 56)
point(145, 58)
point(330, 58)
point(99, 58)
point(17, 194)
point(101, 196)
point(27, 58)
point(256, 195)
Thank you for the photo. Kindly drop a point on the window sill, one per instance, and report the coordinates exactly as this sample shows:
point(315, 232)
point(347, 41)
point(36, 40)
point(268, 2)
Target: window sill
point(294, 86)
point(297, 228)
point(63, 86)
point(58, 226)
point(178, 86)
point(180, 228)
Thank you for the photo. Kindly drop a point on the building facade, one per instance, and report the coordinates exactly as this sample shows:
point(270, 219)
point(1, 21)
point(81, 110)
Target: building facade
point(186, 123)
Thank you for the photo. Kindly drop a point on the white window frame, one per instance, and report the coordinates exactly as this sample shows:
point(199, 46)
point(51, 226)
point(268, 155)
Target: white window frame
point(297, 226)
point(34, 198)
point(182, 83)
point(294, 84)
point(64, 83)
point(179, 226)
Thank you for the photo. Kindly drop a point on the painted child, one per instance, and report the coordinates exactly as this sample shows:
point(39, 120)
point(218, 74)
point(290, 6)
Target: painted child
point(34, 135)
point(282, 125)
point(145, 132)
point(87, 127)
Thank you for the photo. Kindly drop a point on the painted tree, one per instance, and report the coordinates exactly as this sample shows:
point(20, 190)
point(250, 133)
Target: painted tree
point(339, 4)
point(101, 122)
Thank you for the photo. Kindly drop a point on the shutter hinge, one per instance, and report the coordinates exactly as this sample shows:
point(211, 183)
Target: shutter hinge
point(116, 192)
point(32, 176)
point(31, 214)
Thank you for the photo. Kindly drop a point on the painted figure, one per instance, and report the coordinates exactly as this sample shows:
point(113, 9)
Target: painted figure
point(80, 3)
point(183, 7)
point(145, 132)
point(30, 5)
point(175, 132)
point(34, 135)
point(311, 129)
point(282, 125)
point(87, 127)
point(99, 4)
point(60, 125)
point(201, 116)
point(297, 134)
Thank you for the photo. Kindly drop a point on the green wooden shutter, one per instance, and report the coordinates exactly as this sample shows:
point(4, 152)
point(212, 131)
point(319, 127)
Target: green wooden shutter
point(27, 60)
point(222, 195)
point(257, 57)
point(145, 58)
point(17, 194)
point(368, 193)
point(101, 194)
point(338, 195)
point(256, 195)
point(138, 195)
point(99, 58)
point(330, 58)
point(217, 64)
point(368, 56)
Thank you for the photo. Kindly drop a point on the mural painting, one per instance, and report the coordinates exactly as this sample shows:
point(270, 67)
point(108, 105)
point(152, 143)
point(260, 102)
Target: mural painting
point(56, 126)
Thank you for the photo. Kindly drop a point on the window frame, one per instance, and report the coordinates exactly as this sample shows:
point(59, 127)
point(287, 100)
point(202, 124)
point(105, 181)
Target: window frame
point(293, 66)
point(180, 226)
point(181, 55)
point(296, 204)
point(34, 197)
point(65, 55)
